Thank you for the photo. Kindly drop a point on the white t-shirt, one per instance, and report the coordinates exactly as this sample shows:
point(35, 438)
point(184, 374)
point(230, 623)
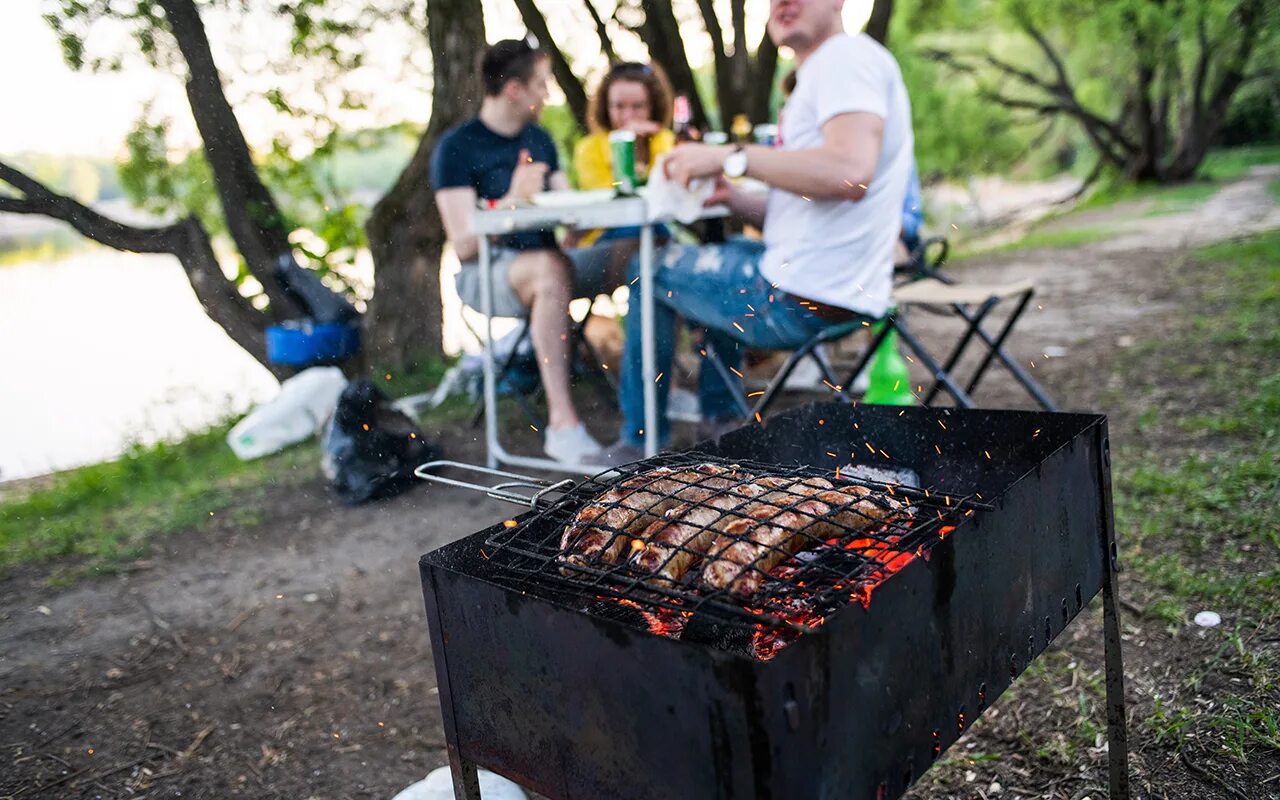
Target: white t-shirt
point(840, 252)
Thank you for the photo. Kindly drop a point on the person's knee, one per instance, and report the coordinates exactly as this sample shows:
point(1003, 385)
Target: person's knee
point(542, 273)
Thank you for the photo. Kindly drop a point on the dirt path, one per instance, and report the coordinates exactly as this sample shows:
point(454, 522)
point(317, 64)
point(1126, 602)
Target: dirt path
point(290, 660)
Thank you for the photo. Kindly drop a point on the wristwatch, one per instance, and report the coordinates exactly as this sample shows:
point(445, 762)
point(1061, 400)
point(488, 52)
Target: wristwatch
point(735, 164)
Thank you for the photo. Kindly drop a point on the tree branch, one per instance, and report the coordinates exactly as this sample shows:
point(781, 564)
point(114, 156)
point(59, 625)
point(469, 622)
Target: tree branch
point(185, 239)
point(40, 200)
point(1064, 99)
point(606, 44)
point(574, 93)
point(1067, 92)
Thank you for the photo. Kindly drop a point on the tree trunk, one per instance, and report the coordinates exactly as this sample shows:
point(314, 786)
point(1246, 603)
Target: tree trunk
point(253, 219)
point(405, 318)
point(574, 93)
point(661, 32)
point(878, 23)
point(760, 92)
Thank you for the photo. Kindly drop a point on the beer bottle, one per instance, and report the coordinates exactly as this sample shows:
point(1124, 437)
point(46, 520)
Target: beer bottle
point(682, 120)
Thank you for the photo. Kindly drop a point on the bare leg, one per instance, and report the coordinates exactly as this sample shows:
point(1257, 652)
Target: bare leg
point(543, 282)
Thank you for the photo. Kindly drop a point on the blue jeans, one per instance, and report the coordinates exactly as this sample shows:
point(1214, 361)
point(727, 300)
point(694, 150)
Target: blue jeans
point(713, 286)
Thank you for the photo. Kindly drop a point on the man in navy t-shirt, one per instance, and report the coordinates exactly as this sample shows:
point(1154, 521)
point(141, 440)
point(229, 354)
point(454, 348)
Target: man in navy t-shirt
point(503, 156)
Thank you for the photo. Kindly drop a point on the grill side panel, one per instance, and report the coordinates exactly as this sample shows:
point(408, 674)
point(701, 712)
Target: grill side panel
point(887, 689)
point(581, 708)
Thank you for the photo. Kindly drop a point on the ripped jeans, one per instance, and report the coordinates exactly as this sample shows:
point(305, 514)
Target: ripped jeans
point(712, 286)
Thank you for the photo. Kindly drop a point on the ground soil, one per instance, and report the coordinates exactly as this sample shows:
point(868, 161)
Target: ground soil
point(291, 659)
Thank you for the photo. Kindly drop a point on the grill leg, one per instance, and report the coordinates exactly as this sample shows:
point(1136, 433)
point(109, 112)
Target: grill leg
point(1117, 730)
point(466, 781)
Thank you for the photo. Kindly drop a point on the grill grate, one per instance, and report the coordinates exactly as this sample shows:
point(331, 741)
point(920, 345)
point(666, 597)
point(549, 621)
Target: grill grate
point(665, 537)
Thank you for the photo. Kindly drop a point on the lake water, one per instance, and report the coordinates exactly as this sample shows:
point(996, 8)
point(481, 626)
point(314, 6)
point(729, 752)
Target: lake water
point(99, 349)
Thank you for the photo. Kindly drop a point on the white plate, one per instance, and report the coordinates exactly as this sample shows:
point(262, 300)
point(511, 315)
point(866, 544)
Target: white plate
point(571, 198)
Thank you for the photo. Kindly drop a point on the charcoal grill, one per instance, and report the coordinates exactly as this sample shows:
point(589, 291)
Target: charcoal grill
point(852, 669)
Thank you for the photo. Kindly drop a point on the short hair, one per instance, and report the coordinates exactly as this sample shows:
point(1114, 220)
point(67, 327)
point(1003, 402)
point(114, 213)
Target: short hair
point(655, 83)
point(508, 60)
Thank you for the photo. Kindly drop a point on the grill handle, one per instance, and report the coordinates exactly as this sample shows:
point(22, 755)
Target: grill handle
point(538, 488)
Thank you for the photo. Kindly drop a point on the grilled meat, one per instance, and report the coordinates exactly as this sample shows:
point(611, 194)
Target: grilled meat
point(602, 531)
point(676, 542)
point(782, 523)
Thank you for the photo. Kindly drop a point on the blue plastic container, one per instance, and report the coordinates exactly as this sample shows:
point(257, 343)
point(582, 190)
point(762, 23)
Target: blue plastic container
point(306, 343)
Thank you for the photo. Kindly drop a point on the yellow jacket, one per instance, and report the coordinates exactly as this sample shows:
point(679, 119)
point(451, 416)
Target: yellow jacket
point(591, 156)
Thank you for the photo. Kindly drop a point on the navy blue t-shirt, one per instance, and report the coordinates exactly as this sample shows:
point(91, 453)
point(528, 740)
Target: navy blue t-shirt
point(473, 155)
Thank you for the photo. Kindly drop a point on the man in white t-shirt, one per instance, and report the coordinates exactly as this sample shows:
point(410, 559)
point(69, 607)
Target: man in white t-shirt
point(837, 181)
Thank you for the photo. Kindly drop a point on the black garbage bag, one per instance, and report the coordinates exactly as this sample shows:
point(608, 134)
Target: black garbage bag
point(369, 448)
point(305, 288)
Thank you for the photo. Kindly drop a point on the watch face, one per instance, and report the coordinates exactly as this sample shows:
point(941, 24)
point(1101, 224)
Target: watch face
point(735, 164)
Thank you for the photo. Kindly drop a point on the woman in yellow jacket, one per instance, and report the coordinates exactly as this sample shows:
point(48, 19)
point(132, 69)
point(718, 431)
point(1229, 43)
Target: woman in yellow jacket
point(635, 97)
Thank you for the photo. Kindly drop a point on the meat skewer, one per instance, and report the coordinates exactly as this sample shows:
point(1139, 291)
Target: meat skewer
point(601, 531)
point(782, 523)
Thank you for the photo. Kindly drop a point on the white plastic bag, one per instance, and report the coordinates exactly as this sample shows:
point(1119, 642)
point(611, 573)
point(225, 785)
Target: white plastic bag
point(439, 786)
point(305, 401)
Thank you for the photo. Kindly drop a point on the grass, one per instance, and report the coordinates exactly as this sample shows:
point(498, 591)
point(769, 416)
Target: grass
point(1273, 189)
point(1197, 495)
point(1229, 164)
point(1199, 527)
point(107, 514)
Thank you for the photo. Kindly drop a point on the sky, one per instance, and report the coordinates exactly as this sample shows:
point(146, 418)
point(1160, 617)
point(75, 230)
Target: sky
point(52, 109)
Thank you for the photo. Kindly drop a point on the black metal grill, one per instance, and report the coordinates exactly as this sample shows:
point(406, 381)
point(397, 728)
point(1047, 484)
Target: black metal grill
point(828, 554)
point(550, 672)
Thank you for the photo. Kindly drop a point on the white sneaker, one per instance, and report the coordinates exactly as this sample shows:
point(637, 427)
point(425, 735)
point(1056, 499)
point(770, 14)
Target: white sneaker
point(573, 445)
point(684, 406)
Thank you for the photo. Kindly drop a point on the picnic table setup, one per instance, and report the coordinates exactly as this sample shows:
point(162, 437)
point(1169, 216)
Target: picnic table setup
point(583, 210)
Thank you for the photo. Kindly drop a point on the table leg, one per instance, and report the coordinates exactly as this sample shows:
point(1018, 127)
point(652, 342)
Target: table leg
point(490, 377)
point(647, 355)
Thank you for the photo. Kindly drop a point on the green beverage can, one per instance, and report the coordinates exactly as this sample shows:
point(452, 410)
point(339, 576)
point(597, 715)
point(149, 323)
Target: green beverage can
point(622, 152)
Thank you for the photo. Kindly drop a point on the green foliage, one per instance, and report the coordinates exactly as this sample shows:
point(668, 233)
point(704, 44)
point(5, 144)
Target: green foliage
point(168, 188)
point(1105, 49)
point(327, 228)
point(559, 122)
point(957, 133)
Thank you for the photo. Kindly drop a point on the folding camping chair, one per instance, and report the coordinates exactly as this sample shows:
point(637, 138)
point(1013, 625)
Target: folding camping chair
point(586, 361)
point(919, 285)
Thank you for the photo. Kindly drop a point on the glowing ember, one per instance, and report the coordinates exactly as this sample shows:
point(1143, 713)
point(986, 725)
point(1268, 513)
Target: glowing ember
point(661, 621)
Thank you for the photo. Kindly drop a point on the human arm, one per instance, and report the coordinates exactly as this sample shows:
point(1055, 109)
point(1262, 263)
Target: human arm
point(457, 204)
point(747, 206)
point(840, 168)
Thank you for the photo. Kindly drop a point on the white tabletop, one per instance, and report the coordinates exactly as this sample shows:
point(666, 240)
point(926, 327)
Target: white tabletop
point(619, 212)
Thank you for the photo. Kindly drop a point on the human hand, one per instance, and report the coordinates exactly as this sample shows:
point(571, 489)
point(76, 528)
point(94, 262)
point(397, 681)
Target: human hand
point(689, 161)
point(528, 179)
point(722, 194)
point(642, 127)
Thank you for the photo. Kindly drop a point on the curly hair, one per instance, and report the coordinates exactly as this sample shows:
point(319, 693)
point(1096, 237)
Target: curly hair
point(655, 83)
